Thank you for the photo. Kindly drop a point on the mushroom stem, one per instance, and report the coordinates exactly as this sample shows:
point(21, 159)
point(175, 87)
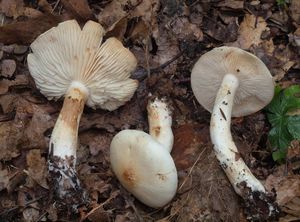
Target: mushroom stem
point(160, 123)
point(63, 143)
point(244, 182)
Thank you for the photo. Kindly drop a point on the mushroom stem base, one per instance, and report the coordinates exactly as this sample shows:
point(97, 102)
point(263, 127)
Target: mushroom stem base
point(243, 181)
point(65, 184)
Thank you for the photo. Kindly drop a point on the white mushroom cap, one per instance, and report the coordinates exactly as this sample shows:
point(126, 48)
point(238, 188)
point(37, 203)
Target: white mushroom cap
point(144, 167)
point(67, 54)
point(256, 86)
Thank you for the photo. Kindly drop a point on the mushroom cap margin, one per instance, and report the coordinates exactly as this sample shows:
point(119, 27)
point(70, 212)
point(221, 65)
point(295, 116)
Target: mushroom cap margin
point(256, 85)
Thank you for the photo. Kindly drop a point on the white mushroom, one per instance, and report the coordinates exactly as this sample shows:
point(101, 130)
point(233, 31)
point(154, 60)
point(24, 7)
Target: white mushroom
point(67, 61)
point(143, 163)
point(228, 81)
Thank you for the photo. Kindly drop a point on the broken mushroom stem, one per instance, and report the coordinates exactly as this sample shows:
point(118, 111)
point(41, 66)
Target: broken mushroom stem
point(160, 122)
point(142, 162)
point(244, 182)
point(64, 141)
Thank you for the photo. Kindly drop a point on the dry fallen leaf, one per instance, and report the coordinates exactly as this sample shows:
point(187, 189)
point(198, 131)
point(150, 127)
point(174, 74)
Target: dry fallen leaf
point(199, 198)
point(233, 4)
point(12, 8)
point(26, 31)
point(11, 133)
point(37, 168)
point(4, 179)
point(34, 133)
point(8, 67)
point(250, 32)
point(185, 30)
point(31, 214)
point(167, 49)
point(20, 80)
point(79, 8)
point(288, 193)
point(295, 10)
point(188, 139)
point(112, 13)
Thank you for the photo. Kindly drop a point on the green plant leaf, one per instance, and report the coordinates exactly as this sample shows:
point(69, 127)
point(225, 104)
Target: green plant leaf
point(285, 128)
point(275, 105)
point(293, 125)
point(292, 98)
point(278, 155)
point(280, 137)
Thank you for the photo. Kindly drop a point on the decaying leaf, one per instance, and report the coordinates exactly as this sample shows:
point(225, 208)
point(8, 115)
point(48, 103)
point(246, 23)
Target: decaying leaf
point(4, 179)
point(295, 10)
point(112, 13)
point(217, 203)
point(26, 31)
point(219, 31)
point(250, 31)
point(157, 32)
point(31, 214)
point(8, 67)
point(12, 8)
point(288, 193)
point(232, 4)
point(11, 133)
point(188, 140)
point(20, 80)
point(37, 168)
point(34, 134)
point(79, 8)
point(185, 30)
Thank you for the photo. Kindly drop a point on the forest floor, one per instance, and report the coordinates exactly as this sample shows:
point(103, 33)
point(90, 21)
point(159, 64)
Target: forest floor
point(167, 38)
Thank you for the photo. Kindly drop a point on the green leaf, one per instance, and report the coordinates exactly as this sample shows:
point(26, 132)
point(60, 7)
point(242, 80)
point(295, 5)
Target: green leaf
point(275, 105)
point(278, 155)
point(293, 125)
point(280, 137)
point(292, 97)
point(285, 128)
point(274, 119)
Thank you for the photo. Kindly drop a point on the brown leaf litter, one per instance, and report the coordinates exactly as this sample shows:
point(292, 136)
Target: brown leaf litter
point(167, 37)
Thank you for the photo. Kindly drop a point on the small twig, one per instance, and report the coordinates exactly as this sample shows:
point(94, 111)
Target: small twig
point(191, 170)
point(96, 208)
point(144, 73)
point(26, 205)
point(55, 6)
point(42, 215)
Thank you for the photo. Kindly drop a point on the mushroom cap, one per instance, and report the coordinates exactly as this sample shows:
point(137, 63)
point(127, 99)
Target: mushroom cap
point(67, 53)
point(144, 167)
point(256, 85)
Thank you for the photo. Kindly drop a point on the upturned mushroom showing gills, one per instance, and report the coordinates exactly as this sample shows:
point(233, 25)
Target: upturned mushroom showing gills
point(228, 81)
point(142, 162)
point(70, 62)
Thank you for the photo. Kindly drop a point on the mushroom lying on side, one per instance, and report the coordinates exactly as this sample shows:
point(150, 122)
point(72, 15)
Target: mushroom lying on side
point(71, 62)
point(228, 81)
point(142, 162)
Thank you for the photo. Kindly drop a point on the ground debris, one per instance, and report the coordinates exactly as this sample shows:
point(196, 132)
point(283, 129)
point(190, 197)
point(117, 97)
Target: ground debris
point(167, 38)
